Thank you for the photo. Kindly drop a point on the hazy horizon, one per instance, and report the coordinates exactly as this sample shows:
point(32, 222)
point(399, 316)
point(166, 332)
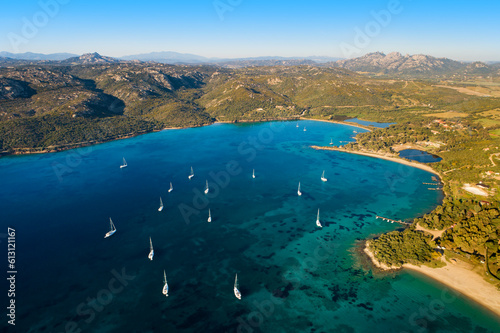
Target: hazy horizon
point(252, 57)
point(240, 29)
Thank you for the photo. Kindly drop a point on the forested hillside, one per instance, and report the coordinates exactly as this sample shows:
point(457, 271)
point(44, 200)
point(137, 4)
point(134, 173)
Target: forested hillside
point(58, 104)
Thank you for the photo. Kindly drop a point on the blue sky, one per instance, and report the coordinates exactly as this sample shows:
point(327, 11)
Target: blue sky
point(462, 30)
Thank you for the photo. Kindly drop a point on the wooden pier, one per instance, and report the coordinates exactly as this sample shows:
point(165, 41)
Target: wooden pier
point(391, 220)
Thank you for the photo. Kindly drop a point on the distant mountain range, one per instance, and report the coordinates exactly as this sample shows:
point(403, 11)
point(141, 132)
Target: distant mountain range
point(90, 58)
point(168, 57)
point(377, 63)
point(175, 57)
point(396, 62)
point(37, 56)
point(417, 64)
point(164, 57)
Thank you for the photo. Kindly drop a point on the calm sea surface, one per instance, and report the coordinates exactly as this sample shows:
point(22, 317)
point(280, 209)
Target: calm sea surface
point(419, 156)
point(294, 276)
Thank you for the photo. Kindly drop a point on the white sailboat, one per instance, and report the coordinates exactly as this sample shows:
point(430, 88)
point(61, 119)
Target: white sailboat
point(161, 205)
point(323, 177)
point(151, 251)
point(298, 191)
point(165, 284)
point(318, 223)
point(297, 125)
point(191, 175)
point(236, 291)
point(209, 216)
point(171, 188)
point(112, 229)
point(124, 164)
point(305, 129)
point(331, 141)
point(206, 187)
point(253, 173)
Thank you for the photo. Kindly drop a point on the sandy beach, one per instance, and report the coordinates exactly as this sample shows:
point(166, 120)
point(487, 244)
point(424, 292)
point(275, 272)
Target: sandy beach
point(464, 281)
point(340, 122)
point(384, 157)
point(374, 260)
point(455, 276)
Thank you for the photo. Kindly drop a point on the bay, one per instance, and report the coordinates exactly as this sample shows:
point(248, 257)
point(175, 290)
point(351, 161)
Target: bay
point(294, 277)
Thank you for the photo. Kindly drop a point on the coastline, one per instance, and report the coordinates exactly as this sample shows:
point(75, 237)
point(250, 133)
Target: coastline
point(340, 122)
point(375, 261)
point(391, 158)
point(68, 146)
point(453, 276)
point(465, 282)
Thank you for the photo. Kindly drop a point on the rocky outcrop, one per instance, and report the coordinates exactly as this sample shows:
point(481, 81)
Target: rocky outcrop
point(395, 62)
point(41, 77)
point(91, 58)
point(12, 89)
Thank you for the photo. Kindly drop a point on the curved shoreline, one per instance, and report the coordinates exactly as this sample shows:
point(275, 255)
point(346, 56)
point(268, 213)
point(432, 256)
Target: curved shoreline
point(68, 146)
point(449, 275)
point(375, 261)
point(459, 279)
point(391, 158)
point(340, 122)
point(465, 282)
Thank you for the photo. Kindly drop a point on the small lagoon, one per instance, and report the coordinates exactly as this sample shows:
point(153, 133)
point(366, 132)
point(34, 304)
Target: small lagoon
point(369, 123)
point(419, 156)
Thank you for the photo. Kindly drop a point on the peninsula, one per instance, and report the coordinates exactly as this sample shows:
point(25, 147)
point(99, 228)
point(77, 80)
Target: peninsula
point(458, 243)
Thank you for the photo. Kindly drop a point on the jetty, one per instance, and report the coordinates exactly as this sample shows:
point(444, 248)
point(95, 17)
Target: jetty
point(391, 220)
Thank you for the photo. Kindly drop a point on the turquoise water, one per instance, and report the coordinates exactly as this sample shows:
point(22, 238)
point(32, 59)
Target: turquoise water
point(294, 277)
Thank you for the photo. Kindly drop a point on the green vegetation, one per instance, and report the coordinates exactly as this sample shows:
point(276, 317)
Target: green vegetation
point(181, 96)
point(53, 107)
point(399, 247)
point(472, 233)
point(465, 146)
point(50, 131)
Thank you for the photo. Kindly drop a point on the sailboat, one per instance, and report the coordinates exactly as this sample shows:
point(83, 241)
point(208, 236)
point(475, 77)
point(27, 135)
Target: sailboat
point(112, 229)
point(298, 191)
point(236, 291)
point(297, 125)
point(209, 216)
point(331, 141)
point(323, 177)
point(124, 164)
point(305, 129)
point(318, 223)
point(206, 188)
point(253, 173)
point(165, 284)
point(151, 251)
point(161, 205)
point(191, 175)
point(171, 188)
